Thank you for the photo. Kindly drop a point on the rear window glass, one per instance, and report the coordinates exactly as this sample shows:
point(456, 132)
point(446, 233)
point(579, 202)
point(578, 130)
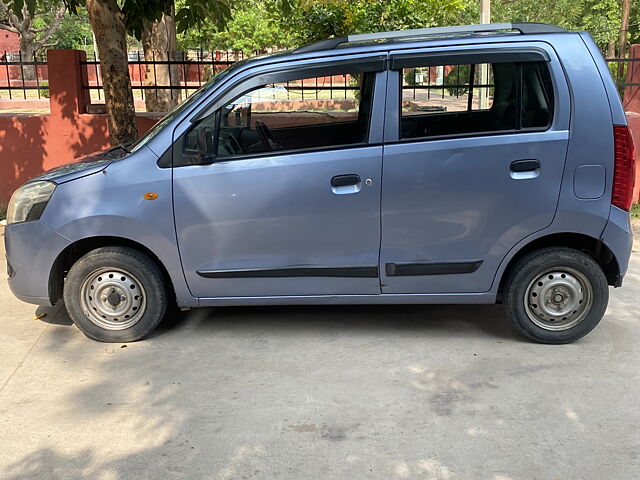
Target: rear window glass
point(473, 99)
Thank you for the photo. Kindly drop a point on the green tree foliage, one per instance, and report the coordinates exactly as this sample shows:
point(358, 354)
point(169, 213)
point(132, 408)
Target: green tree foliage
point(258, 25)
point(317, 19)
point(634, 24)
point(601, 18)
point(254, 26)
point(190, 13)
point(74, 31)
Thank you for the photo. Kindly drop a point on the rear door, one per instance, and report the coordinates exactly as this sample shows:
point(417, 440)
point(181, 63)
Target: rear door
point(475, 145)
point(290, 205)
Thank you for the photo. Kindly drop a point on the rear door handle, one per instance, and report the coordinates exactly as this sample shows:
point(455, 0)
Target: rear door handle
point(525, 169)
point(345, 180)
point(525, 165)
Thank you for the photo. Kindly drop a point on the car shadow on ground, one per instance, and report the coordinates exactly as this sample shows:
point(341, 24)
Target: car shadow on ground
point(56, 315)
point(462, 320)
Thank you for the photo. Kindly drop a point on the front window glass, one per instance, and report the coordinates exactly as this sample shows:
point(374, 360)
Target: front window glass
point(307, 113)
point(177, 110)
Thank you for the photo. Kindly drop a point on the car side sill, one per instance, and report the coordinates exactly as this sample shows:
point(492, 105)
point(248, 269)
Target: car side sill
point(411, 298)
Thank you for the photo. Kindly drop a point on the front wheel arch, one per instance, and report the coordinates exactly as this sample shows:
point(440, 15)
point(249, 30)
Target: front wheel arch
point(73, 252)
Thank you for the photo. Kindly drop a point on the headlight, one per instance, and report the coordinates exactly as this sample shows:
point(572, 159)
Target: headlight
point(27, 203)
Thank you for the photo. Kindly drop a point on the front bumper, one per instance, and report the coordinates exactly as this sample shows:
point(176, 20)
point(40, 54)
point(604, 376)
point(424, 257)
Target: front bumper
point(32, 249)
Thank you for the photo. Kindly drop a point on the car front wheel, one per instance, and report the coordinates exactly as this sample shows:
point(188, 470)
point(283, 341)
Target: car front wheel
point(556, 295)
point(115, 294)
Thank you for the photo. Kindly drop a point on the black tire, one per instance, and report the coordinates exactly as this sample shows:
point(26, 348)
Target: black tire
point(141, 268)
point(535, 266)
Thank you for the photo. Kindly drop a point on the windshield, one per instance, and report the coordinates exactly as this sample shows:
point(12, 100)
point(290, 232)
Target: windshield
point(152, 132)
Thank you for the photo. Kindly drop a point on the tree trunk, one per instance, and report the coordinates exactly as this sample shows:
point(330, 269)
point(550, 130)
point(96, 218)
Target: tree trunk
point(107, 22)
point(159, 44)
point(611, 49)
point(26, 55)
point(622, 41)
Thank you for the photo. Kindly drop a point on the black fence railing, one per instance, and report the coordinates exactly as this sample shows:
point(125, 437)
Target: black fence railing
point(439, 84)
point(27, 79)
point(182, 77)
point(620, 69)
point(149, 77)
point(22, 78)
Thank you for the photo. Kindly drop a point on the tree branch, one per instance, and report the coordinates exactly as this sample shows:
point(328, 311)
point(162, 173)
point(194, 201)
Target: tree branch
point(51, 29)
point(15, 22)
point(9, 28)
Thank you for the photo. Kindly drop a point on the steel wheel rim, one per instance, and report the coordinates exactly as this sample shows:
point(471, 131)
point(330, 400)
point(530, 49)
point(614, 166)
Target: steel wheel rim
point(558, 299)
point(113, 298)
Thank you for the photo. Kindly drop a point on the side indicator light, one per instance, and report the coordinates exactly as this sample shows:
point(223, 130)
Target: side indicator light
point(150, 196)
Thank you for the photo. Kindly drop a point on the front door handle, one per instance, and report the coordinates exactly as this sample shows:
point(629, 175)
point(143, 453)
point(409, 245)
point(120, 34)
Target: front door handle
point(525, 165)
point(345, 184)
point(345, 180)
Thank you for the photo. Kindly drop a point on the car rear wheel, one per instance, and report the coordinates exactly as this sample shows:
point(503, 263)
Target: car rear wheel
point(115, 294)
point(556, 295)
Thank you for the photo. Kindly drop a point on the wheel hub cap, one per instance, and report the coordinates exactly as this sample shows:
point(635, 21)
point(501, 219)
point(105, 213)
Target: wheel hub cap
point(113, 299)
point(558, 299)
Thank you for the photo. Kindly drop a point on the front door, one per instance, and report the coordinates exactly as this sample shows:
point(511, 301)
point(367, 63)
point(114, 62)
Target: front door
point(473, 162)
point(290, 203)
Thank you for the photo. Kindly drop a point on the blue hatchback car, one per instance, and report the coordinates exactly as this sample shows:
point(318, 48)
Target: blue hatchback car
point(474, 164)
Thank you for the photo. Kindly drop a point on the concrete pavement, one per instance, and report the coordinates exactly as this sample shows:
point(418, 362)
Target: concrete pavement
point(408, 392)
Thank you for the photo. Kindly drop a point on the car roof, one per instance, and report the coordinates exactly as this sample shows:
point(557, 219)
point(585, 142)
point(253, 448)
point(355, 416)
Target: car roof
point(402, 39)
point(435, 33)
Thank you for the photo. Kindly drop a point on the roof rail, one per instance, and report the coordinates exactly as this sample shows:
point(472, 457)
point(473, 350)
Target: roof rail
point(523, 28)
point(531, 28)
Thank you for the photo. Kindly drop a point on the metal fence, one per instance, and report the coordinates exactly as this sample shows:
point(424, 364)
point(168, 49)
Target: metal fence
point(619, 68)
point(185, 75)
point(438, 83)
point(22, 78)
point(195, 68)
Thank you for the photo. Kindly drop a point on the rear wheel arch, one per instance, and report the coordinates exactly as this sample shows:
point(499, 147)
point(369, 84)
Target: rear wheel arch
point(578, 241)
point(72, 253)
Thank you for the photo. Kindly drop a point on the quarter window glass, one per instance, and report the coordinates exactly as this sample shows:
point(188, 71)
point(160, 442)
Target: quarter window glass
point(317, 112)
point(465, 99)
point(537, 100)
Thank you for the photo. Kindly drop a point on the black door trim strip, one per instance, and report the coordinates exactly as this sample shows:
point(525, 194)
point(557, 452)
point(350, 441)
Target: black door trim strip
point(431, 268)
point(294, 271)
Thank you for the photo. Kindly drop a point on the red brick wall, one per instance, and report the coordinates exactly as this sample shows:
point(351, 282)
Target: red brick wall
point(632, 94)
point(31, 144)
point(9, 42)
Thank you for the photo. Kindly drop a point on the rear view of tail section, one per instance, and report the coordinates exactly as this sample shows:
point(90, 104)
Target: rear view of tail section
point(624, 174)
point(624, 168)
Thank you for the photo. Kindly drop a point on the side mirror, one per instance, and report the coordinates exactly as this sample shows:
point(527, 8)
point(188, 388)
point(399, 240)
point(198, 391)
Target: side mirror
point(204, 139)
